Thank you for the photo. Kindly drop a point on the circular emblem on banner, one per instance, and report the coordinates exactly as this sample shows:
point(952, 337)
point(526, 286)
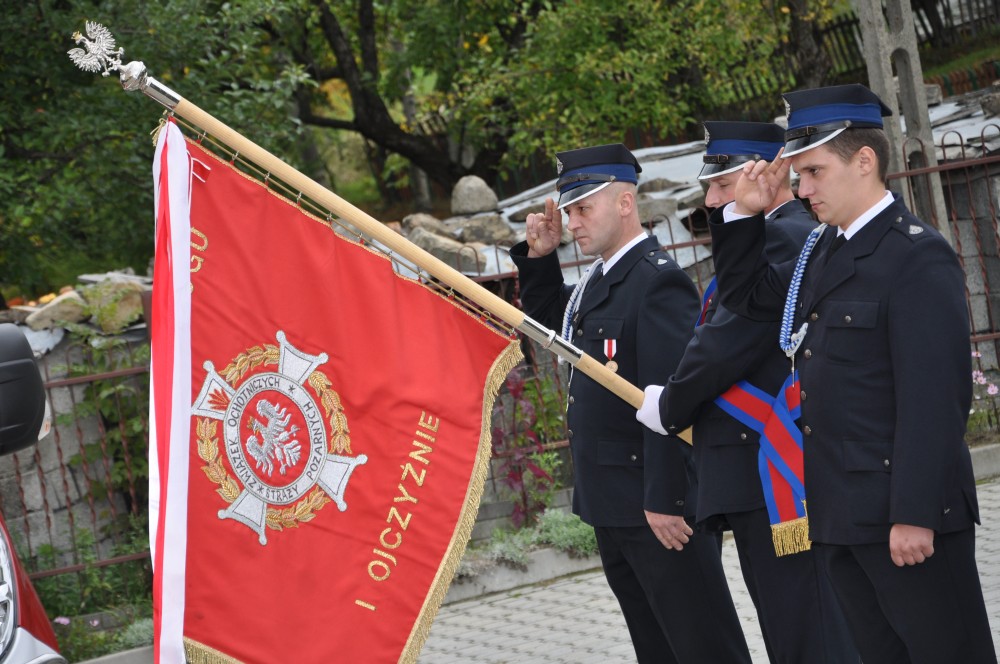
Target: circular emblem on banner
point(275, 439)
point(284, 433)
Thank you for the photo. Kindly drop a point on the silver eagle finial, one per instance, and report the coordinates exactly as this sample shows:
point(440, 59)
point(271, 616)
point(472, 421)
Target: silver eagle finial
point(100, 55)
point(98, 51)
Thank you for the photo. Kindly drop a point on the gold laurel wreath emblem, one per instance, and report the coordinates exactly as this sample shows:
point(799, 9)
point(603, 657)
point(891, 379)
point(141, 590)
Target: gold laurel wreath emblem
point(208, 442)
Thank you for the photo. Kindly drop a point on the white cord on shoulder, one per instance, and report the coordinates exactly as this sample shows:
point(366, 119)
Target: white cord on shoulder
point(574, 302)
point(790, 342)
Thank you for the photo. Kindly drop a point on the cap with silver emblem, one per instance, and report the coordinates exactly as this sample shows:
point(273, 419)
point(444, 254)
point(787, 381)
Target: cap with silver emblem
point(819, 115)
point(732, 144)
point(588, 170)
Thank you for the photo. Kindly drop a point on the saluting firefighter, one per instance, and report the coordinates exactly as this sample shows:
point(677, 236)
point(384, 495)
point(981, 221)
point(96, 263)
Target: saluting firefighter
point(725, 385)
point(875, 319)
point(634, 309)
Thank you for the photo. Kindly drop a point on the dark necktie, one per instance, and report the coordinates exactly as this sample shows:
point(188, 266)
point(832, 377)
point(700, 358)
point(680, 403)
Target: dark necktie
point(595, 278)
point(837, 243)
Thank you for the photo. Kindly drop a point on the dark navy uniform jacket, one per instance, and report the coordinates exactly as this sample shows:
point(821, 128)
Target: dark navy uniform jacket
point(649, 305)
point(726, 349)
point(885, 372)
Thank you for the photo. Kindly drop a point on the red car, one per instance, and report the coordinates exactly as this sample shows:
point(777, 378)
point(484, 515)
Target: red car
point(26, 635)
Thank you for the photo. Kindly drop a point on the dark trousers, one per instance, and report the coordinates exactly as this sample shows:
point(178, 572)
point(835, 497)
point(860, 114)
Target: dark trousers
point(931, 613)
point(676, 603)
point(798, 611)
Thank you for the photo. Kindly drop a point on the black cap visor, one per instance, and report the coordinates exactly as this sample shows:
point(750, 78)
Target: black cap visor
point(721, 164)
point(575, 194)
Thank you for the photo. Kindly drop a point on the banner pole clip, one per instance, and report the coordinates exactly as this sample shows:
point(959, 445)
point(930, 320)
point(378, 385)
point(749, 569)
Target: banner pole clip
point(549, 340)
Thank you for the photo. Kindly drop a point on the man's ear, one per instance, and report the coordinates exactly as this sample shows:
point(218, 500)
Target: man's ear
point(626, 202)
point(867, 161)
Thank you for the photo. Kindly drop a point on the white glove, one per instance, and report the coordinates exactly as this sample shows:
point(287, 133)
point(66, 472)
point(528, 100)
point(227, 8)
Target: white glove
point(649, 413)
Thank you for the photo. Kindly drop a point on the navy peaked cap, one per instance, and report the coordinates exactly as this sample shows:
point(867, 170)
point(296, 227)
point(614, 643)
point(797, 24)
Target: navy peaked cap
point(818, 115)
point(729, 145)
point(588, 170)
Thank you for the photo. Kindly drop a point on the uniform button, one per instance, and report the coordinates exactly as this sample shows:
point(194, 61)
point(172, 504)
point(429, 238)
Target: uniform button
point(802, 395)
point(633, 458)
point(569, 434)
point(743, 436)
point(679, 503)
point(885, 462)
point(898, 219)
point(572, 400)
point(814, 316)
point(807, 430)
point(848, 319)
point(946, 510)
point(600, 330)
point(579, 333)
point(807, 353)
point(652, 253)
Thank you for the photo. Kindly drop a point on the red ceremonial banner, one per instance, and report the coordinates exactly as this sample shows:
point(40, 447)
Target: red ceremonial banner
point(337, 434)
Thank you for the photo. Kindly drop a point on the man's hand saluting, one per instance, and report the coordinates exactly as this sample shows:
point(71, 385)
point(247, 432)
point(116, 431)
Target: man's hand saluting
point(543, 230)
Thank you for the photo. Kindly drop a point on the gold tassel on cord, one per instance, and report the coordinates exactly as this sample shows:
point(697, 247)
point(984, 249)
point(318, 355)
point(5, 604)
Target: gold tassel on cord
point(791, 536)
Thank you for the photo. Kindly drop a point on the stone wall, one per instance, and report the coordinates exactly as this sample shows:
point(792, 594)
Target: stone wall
point(48, 490)
point(972, 198)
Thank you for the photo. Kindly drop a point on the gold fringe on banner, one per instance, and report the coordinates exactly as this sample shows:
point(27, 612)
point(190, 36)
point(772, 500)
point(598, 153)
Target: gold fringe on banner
point(199, 653)
point(503, 365)
point(791, 536)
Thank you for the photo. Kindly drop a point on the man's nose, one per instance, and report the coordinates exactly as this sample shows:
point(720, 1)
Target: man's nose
point(714, 199)
point(805, 187)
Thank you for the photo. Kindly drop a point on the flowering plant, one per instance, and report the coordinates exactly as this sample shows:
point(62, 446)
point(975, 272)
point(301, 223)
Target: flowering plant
point(978, 378)
point(984, 416)
point(523, 424)
point(979, 382)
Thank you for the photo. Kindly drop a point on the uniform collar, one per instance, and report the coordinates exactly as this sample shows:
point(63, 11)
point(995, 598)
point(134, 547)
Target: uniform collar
point(772, 213)
point(610, 263)
point(870, 214)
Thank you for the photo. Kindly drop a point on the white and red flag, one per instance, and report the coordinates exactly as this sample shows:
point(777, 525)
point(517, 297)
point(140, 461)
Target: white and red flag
point(319, 429)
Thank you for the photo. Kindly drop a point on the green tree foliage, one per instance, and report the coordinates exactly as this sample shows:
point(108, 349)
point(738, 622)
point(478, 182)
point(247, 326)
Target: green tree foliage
point(451, 86)
point(75, 152)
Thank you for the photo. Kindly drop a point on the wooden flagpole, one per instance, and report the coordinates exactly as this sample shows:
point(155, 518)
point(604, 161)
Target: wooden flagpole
point(133, 76)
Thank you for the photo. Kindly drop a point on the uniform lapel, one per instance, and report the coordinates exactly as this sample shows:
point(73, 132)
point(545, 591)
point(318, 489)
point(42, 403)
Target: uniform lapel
point(840, 267)
point(594, 297)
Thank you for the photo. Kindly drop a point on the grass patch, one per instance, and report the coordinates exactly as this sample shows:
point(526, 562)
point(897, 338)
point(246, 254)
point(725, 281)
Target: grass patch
point(965, 61)
point(553, 528)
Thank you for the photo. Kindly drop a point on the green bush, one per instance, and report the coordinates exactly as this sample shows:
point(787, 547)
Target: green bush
point(566, 532)
point(136, 635)
point(553, 528)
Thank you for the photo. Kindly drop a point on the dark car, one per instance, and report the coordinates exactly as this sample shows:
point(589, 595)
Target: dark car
point(26, 635)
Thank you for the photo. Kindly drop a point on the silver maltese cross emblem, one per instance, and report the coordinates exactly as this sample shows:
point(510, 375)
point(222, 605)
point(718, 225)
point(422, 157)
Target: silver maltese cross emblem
point(260, 435)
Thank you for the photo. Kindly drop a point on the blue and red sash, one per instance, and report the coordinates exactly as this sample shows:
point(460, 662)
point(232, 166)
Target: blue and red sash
point(706, 301)
point(780, 460)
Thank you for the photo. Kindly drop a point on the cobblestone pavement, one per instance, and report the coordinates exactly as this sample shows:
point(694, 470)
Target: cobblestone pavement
point(576, 620)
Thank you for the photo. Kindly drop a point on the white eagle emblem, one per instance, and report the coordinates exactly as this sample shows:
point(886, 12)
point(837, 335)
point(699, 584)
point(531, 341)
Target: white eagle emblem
point(275, 447)
point(100, 49)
